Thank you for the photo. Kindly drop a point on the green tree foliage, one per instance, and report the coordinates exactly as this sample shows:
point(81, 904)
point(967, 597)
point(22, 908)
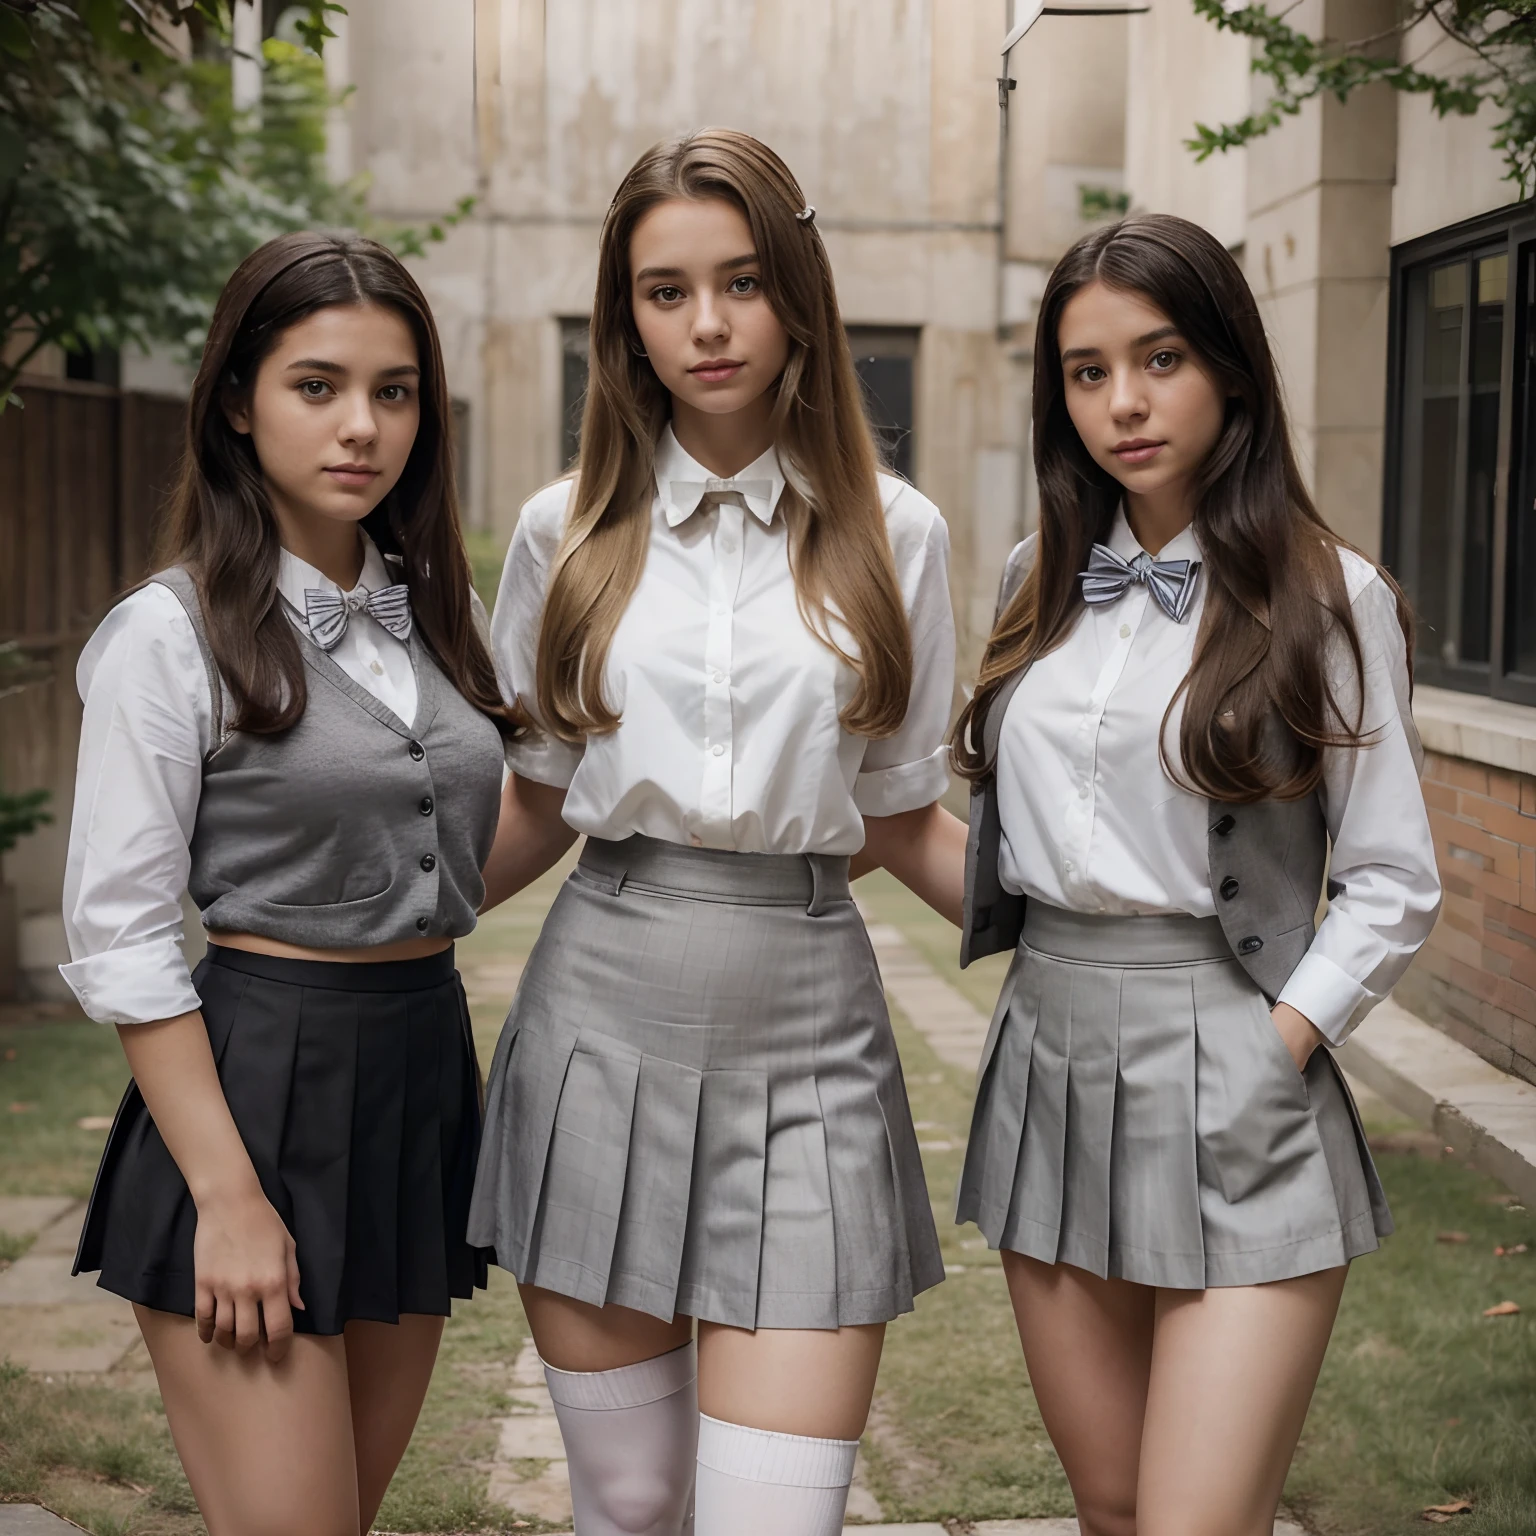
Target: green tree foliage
point(1498, 68)
point(20, 814)
point(130, 187)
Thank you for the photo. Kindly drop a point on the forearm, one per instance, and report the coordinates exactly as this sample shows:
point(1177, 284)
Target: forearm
point(530, 838)
point(173, 1065)
point(925, 850)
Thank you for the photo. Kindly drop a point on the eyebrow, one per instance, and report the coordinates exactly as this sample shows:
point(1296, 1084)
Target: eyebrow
point(1161, 334)
point(750, 259)
point(319, 365)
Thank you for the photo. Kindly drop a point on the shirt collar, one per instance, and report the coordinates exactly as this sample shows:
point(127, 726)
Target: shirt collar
point(1184, 547)
point(682, 482)
point(296, 576)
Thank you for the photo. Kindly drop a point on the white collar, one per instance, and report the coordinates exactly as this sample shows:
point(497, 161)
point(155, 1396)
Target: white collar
point(296, 576)
point(1184, 546)
point(682, 482)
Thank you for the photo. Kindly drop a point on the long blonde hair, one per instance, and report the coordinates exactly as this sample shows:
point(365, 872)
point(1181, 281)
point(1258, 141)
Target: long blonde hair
point(840, 551)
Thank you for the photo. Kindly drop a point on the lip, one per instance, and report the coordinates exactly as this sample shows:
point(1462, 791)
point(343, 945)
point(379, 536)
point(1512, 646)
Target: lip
point(352, 474)
point(1138, 450)
point(717, 370)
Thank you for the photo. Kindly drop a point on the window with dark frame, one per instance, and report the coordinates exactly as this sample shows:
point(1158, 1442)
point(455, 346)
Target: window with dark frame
point(885, 357)
point(1460, 503)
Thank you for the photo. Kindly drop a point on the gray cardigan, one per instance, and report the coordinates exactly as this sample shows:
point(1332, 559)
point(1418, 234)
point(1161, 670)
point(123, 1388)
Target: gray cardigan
point(1267, 860)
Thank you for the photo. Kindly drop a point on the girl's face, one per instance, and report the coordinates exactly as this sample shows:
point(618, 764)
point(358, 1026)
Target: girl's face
point(333, 412)
point(696, 291)
point(1145, 404)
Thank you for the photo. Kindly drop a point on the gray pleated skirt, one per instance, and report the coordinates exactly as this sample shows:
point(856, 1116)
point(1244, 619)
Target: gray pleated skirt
point(1138, 1115)
point(696, 1105)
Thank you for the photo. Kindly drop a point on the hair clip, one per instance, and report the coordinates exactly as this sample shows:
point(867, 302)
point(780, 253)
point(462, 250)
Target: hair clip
point(806, 214)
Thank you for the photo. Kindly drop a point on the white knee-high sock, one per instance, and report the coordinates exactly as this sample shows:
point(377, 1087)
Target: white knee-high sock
point(755, 1482)
point(631, 1436)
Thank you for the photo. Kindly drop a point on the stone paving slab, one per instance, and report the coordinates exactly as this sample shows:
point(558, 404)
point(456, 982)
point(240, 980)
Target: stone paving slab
point(945, 1018)
point(52, 1321)
point(31, 1520)
point(24, 1215)
point(1485, 1115)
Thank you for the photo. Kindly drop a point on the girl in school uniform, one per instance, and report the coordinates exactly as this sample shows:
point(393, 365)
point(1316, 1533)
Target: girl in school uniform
point(1195, 699)
point(298, 722)
point(738, 635)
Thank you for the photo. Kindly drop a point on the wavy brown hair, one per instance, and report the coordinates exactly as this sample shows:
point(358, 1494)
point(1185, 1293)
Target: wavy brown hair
point(840, 550)
point(220, 524)
point(1260, 708)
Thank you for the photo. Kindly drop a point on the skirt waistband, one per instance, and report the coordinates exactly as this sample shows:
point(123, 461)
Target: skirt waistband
point(340, 975)
point(1160, 939)
point(813, 881)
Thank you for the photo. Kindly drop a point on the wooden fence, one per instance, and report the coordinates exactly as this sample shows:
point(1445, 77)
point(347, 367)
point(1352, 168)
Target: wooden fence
point(84, 470)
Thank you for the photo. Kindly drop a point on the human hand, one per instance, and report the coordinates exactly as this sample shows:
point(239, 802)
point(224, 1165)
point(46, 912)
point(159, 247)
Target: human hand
point(1300, 1034)
point(247, 1274)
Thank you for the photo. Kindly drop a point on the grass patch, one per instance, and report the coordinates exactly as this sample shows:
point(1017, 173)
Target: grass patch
point(53, 1074)
point(100, 1455)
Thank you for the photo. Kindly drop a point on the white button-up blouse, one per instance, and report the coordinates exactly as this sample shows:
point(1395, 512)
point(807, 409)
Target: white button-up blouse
point(1092, 822)
point(729, 735)
point(147, 726)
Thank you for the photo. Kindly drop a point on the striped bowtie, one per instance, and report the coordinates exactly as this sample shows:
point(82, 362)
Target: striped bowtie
point(1171, 582)
point(327, 613)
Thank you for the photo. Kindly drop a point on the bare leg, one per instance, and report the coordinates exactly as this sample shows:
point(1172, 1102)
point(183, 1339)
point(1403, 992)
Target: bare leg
point(575, 1336)
point(267, 1448)
point(389, 1366)
point(1233, 1370)
point(797, 1381)
point(1088, 1345)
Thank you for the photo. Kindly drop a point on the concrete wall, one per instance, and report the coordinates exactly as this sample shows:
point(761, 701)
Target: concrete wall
point(887, 114)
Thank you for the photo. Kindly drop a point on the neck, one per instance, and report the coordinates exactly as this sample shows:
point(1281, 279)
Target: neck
point(724, 445)
point(1159, 517)
point(332, 546)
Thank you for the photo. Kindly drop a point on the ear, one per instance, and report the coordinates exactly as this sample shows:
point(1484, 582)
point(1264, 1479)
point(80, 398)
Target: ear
point(236, 407)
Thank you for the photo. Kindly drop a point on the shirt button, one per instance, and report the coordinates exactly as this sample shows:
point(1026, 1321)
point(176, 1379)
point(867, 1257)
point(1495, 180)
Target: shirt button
point(718, 750)
point(1067, 865)
point(719, 677)
point(728, 543)
point(376, 668)
point(423, 924)
point(1125, 631)
point(1082, 791)
point(429, 862)
point(417, 751)
point(426, 805)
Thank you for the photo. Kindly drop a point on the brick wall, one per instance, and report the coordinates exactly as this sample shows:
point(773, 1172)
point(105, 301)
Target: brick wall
point(1476, 977)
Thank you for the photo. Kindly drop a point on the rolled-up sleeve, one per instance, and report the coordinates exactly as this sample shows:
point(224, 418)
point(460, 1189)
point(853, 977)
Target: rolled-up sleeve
point(1383, 879)
point(909, 770)
point(146, 726)
point(535, 753)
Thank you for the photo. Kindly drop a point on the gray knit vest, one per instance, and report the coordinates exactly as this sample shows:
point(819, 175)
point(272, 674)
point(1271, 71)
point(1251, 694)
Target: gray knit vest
point(1267, 860)
point(351, 828)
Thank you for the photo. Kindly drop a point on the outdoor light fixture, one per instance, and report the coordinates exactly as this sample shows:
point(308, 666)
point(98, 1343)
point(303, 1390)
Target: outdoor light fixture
point(1025, 16)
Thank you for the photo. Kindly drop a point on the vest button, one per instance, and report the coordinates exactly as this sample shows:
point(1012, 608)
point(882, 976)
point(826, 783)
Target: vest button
point(1251, 945)
point(426, 805)
point(423, 924)
point(418, 751)
point(429, 862)
point(1228, 888)
point(1224, 826)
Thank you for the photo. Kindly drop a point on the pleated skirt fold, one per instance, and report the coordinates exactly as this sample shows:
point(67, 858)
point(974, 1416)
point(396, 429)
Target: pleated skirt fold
point(355, 1090)
point(1139, 1116)
point(696, 1105)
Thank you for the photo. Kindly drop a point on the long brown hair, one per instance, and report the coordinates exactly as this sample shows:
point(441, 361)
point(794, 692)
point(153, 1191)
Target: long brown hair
point(220, 524)
point(839, 549)
point(1276, 597)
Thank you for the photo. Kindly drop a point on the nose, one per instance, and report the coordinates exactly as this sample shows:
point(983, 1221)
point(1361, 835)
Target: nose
point(709, 320)
point(360, 423)
point(1128, 395)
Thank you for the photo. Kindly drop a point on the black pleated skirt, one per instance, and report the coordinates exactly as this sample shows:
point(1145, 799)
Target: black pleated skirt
point(356, 1092)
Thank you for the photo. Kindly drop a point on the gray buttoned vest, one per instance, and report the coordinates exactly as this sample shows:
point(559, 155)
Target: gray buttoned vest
point(1267, 860)
point(351, 828)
